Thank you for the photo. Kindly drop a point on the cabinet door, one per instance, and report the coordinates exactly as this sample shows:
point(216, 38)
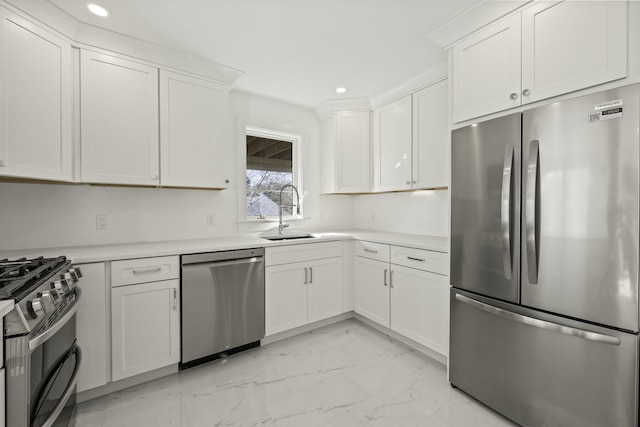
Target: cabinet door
point(91, 327)
point(392, 133)
point(571, 45)
point(431, 137)
point(420, 307)
point(145, 323)
point(193, 114)
point(328, 181)
point(325, 288)
point(372, 290)
point(352, 152)
point(119, 126)
point(486, 70)
point(35, 102)
point(285, 297)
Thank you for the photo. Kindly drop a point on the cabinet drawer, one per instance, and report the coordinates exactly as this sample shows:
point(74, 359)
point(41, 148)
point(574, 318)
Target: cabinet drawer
point(302, 252)
point(435, 262)
point(372, 250)
point(144, 270)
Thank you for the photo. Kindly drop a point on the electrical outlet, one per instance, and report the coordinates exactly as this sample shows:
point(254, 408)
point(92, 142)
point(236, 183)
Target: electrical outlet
point(211, 220)
point(102, 221)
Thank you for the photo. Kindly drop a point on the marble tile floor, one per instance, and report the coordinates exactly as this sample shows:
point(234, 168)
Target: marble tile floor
point(345, 374)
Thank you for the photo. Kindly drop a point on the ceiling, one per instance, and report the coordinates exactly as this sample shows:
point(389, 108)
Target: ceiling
point(297, 51)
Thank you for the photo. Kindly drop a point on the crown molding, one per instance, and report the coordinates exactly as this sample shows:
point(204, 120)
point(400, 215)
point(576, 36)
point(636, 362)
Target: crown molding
point(432, 75)
point(472, 20)
point(82, 35)
point(331, 106)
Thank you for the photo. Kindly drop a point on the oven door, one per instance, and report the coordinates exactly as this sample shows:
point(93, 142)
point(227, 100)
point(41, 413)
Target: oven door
point(42, 372)
point(54, 372)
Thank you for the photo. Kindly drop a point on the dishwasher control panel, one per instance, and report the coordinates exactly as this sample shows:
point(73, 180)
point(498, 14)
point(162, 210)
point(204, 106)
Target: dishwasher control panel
point(222, 256)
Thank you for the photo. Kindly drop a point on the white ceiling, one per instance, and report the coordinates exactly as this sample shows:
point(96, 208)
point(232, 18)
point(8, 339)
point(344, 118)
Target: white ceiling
point(297, 51)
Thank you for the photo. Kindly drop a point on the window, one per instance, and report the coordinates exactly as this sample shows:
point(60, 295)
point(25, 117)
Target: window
point(271, 164)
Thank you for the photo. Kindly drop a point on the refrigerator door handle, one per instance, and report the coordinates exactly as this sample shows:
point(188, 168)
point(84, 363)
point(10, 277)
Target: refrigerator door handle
point(505, 212)
point(537, 323)
point(530, 211)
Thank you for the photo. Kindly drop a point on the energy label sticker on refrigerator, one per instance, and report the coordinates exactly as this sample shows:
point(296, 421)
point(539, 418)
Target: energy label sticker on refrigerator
point(611, 113)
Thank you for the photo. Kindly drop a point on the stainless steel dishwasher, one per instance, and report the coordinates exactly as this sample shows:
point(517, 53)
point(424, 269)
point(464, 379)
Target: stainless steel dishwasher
point(222, 304)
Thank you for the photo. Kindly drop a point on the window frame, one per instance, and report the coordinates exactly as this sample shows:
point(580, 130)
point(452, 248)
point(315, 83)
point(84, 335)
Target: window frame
point(296, 157)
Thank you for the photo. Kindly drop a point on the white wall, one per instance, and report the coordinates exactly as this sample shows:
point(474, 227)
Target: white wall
point(417, 212)
point(49, 215)
point(324, 212)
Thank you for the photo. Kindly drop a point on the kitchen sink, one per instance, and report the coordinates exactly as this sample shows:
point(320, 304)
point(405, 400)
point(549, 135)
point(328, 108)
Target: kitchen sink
point(289, 237)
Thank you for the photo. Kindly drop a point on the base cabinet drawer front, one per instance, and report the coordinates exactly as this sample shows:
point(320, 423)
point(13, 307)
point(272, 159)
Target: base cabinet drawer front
point(145, 323)
point(420, 307)
point(91, 327)
point(372, 289)
point(141, 270)
point(285, 297)
point(325, 288)
point(302, 252)
point(435, 262)
point(372, 250)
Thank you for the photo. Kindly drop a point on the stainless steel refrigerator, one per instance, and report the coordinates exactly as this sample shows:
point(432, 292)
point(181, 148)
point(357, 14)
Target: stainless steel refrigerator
point(544, 261)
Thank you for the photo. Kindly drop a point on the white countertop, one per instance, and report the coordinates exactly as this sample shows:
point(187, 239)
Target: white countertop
point(88, 254)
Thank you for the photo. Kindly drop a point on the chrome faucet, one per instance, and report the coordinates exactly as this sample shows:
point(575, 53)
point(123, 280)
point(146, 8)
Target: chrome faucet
point(282, 226)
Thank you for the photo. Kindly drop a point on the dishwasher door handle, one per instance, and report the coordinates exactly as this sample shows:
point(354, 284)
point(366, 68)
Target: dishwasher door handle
point(223, 263)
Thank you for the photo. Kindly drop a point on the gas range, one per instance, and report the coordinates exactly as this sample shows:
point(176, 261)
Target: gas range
point(42, 357)
point(41, 287)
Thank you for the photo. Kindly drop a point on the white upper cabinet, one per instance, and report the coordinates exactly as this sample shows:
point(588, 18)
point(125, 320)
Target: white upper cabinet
point(568, 46)
point(345, 152)
point(393, 145)
point(548, 49)
point(193, 113)
point(431, 137)
point(486, 71)
point(36, 102)
point(119, 121)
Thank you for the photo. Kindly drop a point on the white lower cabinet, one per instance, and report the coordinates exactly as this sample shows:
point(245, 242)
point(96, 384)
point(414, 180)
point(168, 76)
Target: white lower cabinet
point(285, 297)
point(372, 290)
point(420, 306)
point(91, 326)
point(303, 284)
point(409, 300)
point(324, 289)
point(145, 327)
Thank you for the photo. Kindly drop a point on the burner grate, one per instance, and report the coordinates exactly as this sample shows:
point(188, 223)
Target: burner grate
point(19, 276)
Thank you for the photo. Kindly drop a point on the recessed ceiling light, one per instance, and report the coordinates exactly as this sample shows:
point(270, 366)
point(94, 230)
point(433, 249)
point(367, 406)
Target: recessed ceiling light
point(341, 90)
point(98, 10)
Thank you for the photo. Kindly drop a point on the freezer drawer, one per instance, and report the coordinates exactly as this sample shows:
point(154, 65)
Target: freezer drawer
point(542, 370)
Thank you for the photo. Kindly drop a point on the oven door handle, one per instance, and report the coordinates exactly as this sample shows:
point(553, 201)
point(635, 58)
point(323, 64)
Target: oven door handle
point(68, 392)
point(38, 340)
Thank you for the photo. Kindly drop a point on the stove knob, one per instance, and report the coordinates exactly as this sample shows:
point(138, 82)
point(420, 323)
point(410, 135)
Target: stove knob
point(50, 296)
point(57, 287)
point(68, 283)
point(75, 273)
point(35, 308)
point(62, 284)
